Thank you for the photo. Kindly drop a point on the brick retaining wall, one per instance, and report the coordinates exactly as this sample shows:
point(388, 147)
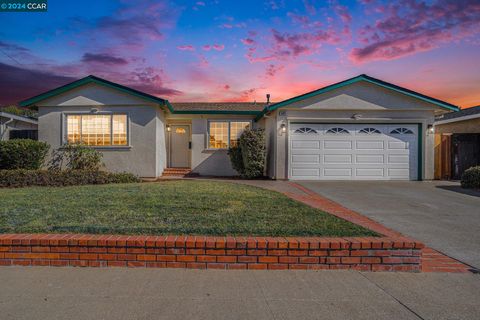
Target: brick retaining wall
point(376, 254)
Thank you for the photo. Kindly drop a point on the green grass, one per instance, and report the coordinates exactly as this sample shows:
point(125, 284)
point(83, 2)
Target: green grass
point(171, 207)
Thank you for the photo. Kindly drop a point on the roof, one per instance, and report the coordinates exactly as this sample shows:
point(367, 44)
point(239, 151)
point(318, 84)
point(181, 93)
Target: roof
point(462, 115)
point(243, 107)
point(86, 80)
point(18, 117)
point(362, 77)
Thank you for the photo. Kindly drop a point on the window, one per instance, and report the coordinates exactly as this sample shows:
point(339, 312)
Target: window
point(180, 131)
point(97, 130)
point(370, 131)
point(224, 134)
point(337, 131)
point(305, 130)
point(401, 131)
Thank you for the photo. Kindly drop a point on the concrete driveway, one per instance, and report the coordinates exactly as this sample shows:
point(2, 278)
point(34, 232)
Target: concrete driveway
point(439, 213)
point(121, 293)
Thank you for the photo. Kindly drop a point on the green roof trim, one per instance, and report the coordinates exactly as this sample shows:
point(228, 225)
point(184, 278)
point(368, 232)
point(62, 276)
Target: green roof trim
point(146, 96)
point(362, 77)
point(87, 80)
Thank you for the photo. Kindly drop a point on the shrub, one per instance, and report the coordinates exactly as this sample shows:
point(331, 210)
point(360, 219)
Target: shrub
point(471, 178)
point(59, 178)
point(236, 159)
point(76, 157)
point(249, 158)
point(22, 154)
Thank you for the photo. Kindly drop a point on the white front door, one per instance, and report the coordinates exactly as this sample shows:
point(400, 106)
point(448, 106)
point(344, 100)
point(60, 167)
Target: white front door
point(180, 146)
point(353, 151)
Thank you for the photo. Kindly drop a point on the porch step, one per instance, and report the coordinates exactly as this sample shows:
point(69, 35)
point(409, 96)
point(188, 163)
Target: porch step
point(178, 172)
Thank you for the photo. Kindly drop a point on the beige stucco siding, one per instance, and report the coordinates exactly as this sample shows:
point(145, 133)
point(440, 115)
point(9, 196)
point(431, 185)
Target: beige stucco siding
point(145, 154)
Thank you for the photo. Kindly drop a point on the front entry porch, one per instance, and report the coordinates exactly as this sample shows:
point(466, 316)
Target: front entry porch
point(179, 146)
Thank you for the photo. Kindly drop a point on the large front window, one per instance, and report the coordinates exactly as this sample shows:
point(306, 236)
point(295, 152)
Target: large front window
point(224, 134)
point(97, 129)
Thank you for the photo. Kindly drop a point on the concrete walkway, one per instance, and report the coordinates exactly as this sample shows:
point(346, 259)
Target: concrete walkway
point(90, 293)
point(439, 213)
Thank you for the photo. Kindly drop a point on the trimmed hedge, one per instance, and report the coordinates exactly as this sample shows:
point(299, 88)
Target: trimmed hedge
point(60, 178)
point(22, 154)
point(471, 178)
point(249, 157)
point(76, 157)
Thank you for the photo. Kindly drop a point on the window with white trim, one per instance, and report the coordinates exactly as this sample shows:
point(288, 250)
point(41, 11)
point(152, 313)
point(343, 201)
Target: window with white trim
point(370, 131)
point(97, 129)
point(337, 131)
point(225, 134)
point(305, 130)
point(401, 131)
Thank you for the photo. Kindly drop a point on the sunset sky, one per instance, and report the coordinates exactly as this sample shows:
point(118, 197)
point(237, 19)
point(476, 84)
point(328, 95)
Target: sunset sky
point(227, 50)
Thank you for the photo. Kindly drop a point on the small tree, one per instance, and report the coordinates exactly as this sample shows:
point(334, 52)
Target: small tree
point(471, 178)
point(249, 157)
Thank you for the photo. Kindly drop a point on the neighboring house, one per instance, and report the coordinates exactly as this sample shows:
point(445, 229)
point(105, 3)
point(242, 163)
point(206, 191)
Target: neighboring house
point(13, 126)
point(457, 142)
point(361, 128)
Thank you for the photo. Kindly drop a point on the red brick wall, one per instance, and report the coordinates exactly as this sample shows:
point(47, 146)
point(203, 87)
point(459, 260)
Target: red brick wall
point(376, 254)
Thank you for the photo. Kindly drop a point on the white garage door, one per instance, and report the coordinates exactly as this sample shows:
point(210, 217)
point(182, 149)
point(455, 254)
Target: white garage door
point(353, 151)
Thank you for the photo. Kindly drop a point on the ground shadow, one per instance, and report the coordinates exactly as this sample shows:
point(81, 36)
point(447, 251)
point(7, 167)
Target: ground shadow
point(459, 189)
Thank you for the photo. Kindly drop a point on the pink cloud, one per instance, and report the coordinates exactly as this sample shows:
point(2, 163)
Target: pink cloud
point(188, 47)
point(207, 47)
point(218, 47)
point(248, 41)
point(416, 27)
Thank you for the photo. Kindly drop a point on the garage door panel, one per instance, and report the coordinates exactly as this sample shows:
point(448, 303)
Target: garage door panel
point(337, 158)
point(366, 152)
point(371, 145)
point(369, 172)
point(305, 158)
point(305, 144)
point(337, 172)
point(337, 144)
point(370, 158)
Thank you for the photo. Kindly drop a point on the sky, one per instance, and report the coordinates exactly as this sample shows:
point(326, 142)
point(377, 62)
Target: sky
point(240, 50)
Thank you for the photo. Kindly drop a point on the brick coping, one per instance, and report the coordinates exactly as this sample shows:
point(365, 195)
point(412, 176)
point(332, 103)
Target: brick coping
point(202, 252)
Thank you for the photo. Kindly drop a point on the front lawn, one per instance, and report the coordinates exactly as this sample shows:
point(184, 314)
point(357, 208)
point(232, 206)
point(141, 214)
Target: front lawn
point(170, 207)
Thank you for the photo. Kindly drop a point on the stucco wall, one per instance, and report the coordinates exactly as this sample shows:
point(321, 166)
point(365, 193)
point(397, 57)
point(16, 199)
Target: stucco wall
point(374, 105)
point(146, 134)
point(467, 126)
point(204, 161)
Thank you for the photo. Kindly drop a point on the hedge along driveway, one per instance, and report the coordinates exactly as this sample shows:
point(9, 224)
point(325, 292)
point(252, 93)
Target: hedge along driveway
point(170, 207)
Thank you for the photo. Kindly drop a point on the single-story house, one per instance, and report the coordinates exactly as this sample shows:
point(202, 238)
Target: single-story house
point(14, 126)
point(358, 129)
point(457, 142)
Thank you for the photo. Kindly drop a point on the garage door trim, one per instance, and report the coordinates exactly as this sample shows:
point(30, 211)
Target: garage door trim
point(419, 142)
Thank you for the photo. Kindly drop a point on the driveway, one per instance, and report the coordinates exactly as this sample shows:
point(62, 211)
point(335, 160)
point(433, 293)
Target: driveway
point(121, 293)
point(439, 213)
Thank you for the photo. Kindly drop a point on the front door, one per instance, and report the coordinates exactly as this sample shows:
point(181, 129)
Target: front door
point(180, 146)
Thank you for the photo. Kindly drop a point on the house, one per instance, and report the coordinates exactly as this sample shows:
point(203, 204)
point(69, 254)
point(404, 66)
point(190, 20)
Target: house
point(457, 142)
point(358, 129)
point(14, 126)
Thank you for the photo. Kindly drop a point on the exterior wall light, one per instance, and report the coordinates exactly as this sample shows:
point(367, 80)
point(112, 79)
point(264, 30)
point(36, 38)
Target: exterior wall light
point(169, 128)
point(283, 128)
point(430, 128)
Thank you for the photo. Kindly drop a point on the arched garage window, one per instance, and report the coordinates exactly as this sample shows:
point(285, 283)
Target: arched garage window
point(305, 130)
point(401, 131)
point(370, 131)
point(337, 131)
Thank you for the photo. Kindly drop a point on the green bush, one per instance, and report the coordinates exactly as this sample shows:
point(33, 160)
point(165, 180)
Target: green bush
point(249, 158)
point(236, 159)
point(60, 178)
point(22, 154)
point(471, 178)
point(76, 157)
